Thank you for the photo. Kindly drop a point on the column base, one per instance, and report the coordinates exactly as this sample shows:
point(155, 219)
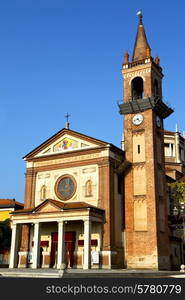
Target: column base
point(61, 266)
point(45, 266)
point(112, 259)
point(23, 259)
point(45, 259)
point(86, 268)
point(106, 260)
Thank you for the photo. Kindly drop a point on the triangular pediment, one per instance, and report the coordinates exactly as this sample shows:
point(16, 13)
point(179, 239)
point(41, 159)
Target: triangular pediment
point(65, 141)
point(48, 206)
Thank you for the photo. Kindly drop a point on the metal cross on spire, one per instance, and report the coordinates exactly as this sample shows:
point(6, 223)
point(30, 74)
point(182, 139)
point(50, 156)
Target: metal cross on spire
point(67, 120)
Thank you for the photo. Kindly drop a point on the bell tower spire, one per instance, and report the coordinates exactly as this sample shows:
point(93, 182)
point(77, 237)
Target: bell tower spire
point(146, 227)
point(141, 48)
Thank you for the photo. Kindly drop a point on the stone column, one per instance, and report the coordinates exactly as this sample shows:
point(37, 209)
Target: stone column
point(36, 247)
point(61, 245)
point(14, 247)
point(87, 244)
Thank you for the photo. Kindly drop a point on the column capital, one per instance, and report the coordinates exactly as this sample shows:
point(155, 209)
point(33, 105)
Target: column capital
point(13, 225)
point(61, 222)
point(89, 220)
point(36, 223)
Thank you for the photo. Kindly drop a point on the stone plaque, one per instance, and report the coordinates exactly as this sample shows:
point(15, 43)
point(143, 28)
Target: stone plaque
point(95, 257)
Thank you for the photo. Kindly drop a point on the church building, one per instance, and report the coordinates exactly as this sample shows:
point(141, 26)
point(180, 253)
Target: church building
point(89, 204)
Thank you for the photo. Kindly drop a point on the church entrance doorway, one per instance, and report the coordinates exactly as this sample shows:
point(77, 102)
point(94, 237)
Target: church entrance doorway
point(70, 238)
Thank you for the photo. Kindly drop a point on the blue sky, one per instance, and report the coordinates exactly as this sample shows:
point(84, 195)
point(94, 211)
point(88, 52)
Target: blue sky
point(59, 56)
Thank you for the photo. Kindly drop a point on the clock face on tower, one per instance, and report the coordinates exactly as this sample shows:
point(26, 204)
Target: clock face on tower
point(137, 119)
point(65, 187)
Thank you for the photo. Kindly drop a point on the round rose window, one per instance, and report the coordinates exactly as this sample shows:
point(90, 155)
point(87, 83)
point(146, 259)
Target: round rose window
point(65, 187)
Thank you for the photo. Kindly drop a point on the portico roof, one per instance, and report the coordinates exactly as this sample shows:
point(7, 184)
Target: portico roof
point(51, 209)
point(58, 204)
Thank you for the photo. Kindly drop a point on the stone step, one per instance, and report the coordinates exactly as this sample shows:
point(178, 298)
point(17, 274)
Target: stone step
point(32, 274)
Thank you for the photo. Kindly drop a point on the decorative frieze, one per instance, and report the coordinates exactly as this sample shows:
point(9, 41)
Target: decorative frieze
point(43, 176)
point(89, 170)
point(137, 73)
point(67, 159)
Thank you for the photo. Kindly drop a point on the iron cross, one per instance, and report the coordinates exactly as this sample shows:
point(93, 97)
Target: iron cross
point(67, 117)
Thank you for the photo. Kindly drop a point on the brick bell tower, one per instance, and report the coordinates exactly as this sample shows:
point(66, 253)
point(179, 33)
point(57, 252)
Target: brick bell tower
point(146, 220)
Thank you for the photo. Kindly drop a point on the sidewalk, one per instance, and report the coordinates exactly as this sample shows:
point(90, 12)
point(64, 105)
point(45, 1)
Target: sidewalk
point(79, 273)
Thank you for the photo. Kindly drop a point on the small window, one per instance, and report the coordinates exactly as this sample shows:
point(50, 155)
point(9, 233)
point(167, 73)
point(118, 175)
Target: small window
point(138, 149)
point(167, 149)
point(43, 193)
point(88, 188)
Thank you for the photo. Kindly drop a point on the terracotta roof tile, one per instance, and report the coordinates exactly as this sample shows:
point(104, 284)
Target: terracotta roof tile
point(169, 132)
point(23, 210)
point(56, 202)
point(10, 203)
point(71, 205)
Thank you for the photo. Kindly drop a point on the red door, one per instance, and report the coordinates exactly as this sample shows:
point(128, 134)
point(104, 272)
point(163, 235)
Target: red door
point(70, 247)
point(70, 238)
point(54, 246)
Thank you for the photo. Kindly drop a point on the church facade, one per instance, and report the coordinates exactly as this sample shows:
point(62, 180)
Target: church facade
point(89, 204)
point(73, 205)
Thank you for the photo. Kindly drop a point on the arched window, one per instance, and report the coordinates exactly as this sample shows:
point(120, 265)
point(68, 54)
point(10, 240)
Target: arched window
point(137, 88)
point(43, 193)
point(156, 88)
point(88, 188)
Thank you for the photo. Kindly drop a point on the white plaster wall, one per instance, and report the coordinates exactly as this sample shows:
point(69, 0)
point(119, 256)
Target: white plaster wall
point(81, 175)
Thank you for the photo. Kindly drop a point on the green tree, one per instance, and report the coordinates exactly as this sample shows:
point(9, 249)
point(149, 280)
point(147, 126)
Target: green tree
point(178, 191)
point(5, 234)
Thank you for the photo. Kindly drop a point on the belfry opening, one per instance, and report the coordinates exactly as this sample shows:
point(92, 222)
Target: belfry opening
point(137, 88)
